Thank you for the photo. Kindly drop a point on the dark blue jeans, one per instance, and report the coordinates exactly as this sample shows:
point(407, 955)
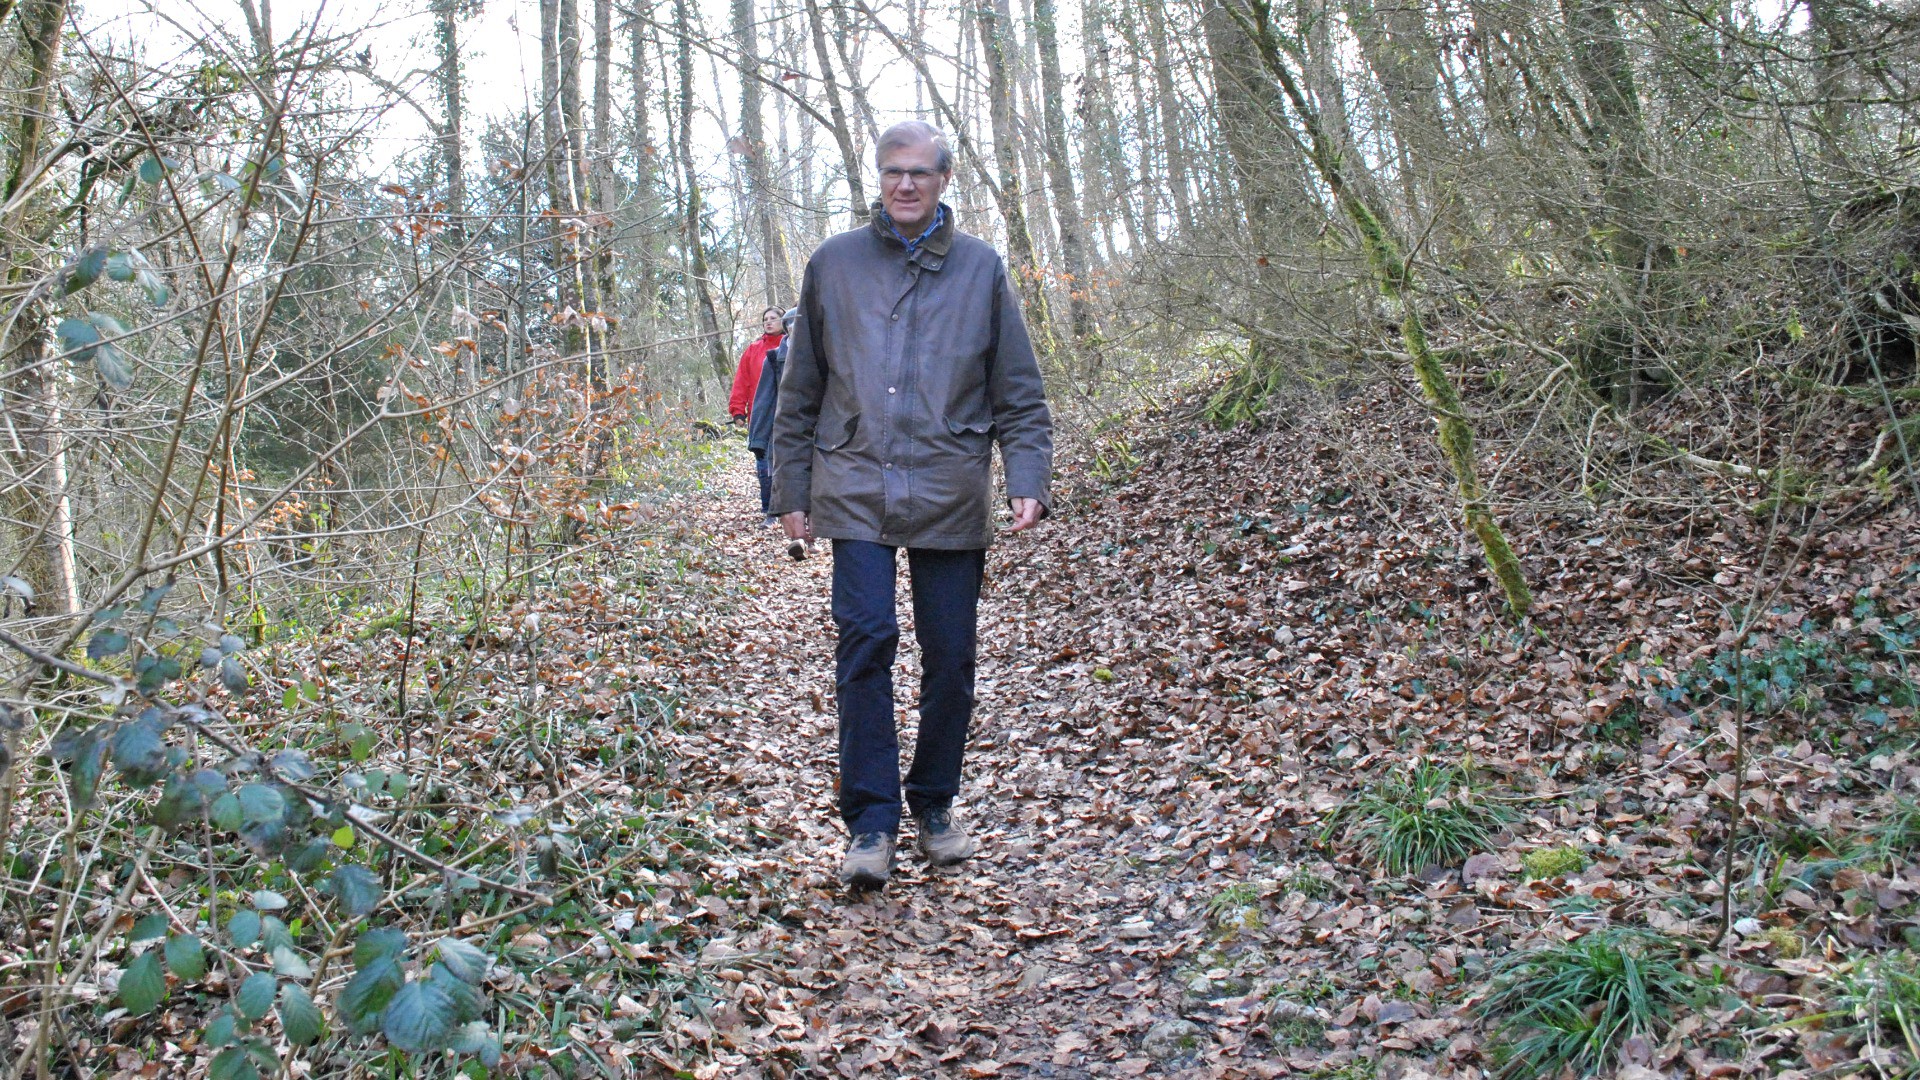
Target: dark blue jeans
point(765, 476)
point(946, 606)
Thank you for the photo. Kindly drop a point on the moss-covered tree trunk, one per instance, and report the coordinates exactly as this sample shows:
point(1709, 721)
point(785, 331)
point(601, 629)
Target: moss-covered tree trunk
point(1387, 260)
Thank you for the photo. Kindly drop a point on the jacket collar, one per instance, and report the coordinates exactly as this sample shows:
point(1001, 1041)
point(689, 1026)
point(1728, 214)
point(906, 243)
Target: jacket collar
point(932, 251)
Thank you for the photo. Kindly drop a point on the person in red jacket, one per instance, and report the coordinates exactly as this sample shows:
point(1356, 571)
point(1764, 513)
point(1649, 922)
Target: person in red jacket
point(746, 376)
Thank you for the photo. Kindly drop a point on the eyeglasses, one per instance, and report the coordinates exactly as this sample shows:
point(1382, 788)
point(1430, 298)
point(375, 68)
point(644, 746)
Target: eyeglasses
point(892, 176)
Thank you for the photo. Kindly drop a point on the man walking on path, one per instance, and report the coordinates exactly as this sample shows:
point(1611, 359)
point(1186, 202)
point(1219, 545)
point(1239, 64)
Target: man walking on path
point(909, 359)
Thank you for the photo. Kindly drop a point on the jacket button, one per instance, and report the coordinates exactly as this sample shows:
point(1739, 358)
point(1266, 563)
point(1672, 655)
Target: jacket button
point(891, 390)
point(889, 465)
point(896, 316)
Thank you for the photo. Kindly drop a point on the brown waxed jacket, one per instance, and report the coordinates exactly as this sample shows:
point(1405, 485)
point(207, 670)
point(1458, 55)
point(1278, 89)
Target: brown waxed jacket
point(902, 371)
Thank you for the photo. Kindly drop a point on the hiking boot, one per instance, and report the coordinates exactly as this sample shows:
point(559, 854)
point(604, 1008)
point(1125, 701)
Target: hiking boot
point(941, 840)
point(869, 861)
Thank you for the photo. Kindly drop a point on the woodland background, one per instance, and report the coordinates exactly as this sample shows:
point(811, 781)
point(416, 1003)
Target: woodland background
point(1513, 401)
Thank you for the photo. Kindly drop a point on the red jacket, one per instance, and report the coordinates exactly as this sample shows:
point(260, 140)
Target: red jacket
point(746, 377)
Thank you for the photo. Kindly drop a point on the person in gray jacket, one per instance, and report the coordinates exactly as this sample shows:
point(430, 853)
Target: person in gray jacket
point(908, 362)
point(766, 398)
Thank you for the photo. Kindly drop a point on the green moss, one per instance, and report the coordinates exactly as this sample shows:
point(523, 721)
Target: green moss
point(1553, 862)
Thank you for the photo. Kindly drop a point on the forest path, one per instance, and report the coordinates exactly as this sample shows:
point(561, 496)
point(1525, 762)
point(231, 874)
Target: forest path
point(1053, 953)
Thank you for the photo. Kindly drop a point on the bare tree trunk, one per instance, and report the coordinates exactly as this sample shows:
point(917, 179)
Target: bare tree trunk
point(1399, 48)
point(1066, 203)
point(1103, 128)
point(995, 43)
point(701, 296)
point(842, 133)
point(558, 170)
point(1169, 103)
point(1152, 153)
point(850, 63)
point(36, 453)
point(453, 111)
point(598, 169)
point(773, 244)
point(1617, 149)
point(646, 183)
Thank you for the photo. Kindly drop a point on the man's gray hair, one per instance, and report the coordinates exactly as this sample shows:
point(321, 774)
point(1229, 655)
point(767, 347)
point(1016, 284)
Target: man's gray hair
point(913, 133)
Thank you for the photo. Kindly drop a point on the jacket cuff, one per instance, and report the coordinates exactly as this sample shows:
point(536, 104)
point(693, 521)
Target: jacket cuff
point(790, 494)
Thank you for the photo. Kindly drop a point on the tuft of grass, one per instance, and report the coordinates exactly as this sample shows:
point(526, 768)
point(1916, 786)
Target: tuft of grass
point(1553, 862)
point(1573, 1004)
point(1897, 835)
point(1881, 994)
point(1431, 814)
point(1309, 883)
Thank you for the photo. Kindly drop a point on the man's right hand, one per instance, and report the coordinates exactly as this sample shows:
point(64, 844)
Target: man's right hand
point(796, 525)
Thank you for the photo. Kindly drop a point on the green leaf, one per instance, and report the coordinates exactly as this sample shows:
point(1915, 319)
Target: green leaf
point(299, 1017)
point(255, 996)
point(143, 985)
point(139, 752)
point(466, 961)
point(153, 168)
point(150, 600)
point(156, 671)
point(477, 1038)
point(186, 796)
point(274, 934)
point(356, 888)
point(186, 957)
point(378, 942)
point(421, 1018)
point(105, 643)
point(258, 802)
point(293, 764)
point(107, 358)
point(288, 963)
point(368, 992)
point(78, 337)
point(227, 814)
point(86, 270)
point(148, 928)
point(134, 267)
point(467, 1003)
point(233, 1063)
point(155, 287)
point(113, 367)
point(290, 698)
point(89, 761)
point(223, 1029)
point(308, 856)
point(230, 644)
point(244, 928)
point(343, 836)
point(268, 900)
point(209, 657)
point(233, 676)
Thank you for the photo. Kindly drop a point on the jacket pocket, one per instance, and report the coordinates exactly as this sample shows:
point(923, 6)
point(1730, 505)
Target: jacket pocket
point(975, 435)
point(831, 436)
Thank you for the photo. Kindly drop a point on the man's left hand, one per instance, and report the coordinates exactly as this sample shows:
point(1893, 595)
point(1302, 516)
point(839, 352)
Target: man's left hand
point(1026, 514)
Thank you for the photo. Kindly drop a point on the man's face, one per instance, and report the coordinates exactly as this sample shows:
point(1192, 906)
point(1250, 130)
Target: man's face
point(911, 184)
point(770, 321)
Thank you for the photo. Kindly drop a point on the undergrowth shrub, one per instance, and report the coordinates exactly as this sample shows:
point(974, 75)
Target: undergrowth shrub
point(1429, 815)
point(1573, 1004)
